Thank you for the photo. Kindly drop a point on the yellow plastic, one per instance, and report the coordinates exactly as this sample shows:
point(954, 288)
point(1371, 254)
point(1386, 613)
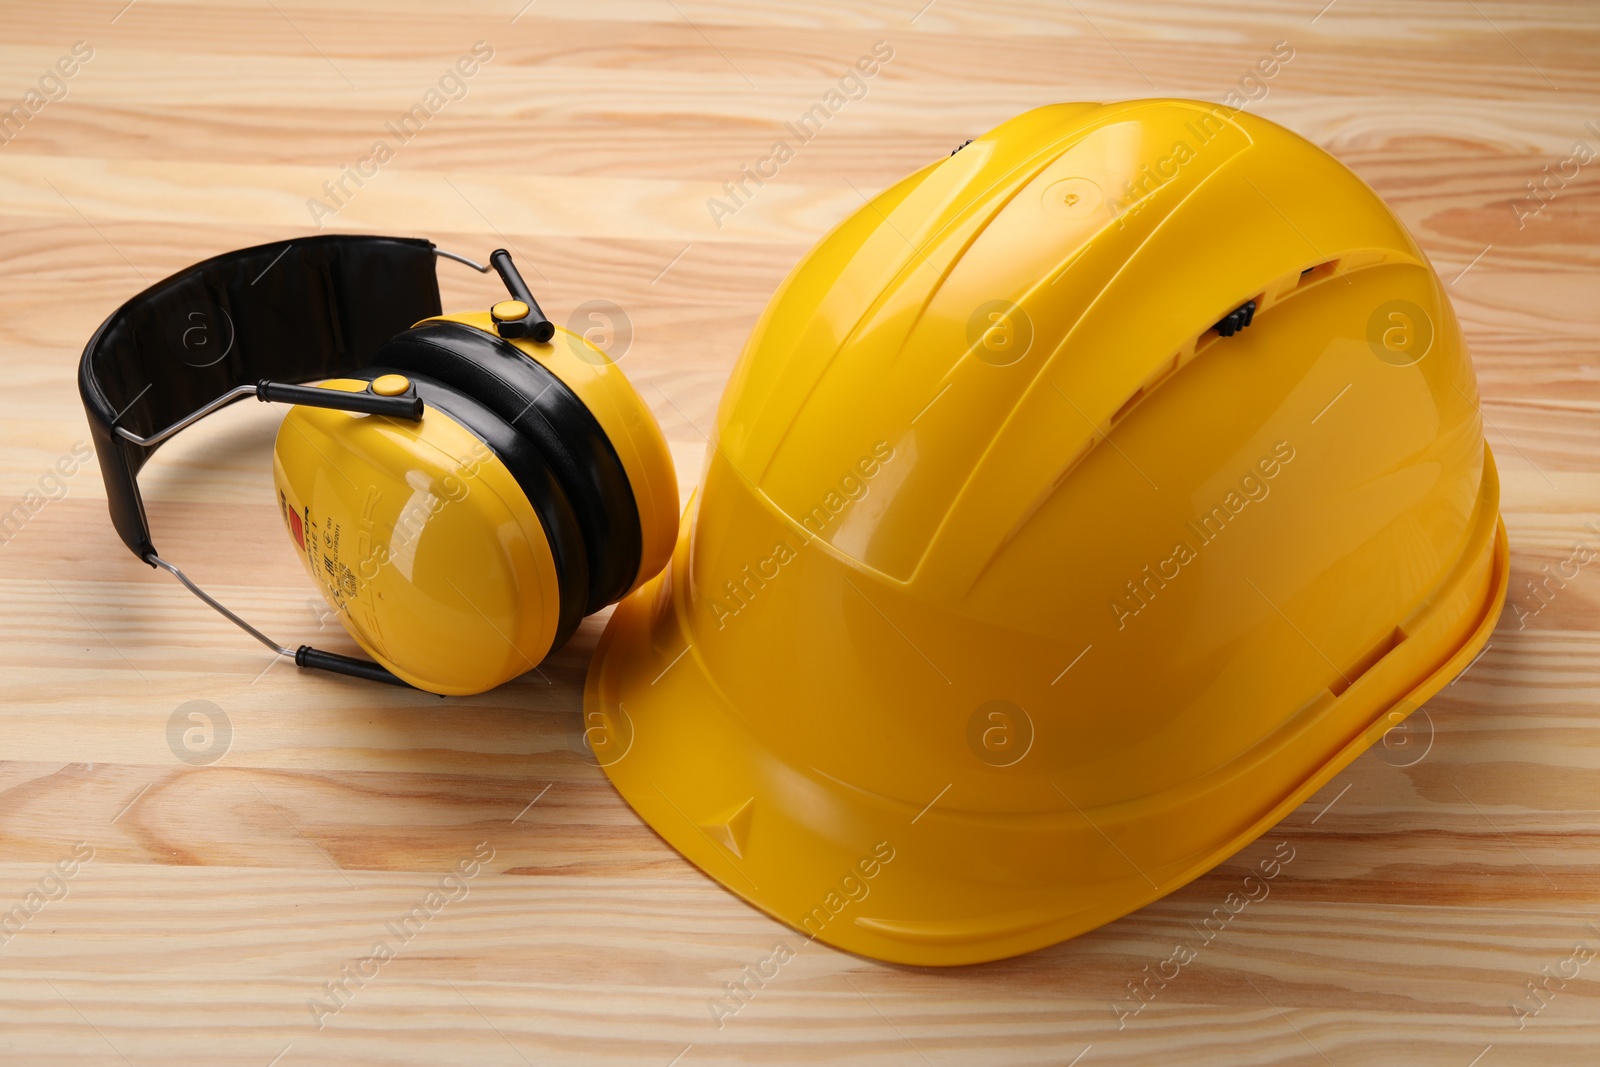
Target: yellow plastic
point(390, 384)
point(626, 420)
point(1014, 596)
point(422, 541)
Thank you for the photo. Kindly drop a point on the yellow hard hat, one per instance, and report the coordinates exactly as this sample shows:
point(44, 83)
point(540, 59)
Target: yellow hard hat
point(1077, 508)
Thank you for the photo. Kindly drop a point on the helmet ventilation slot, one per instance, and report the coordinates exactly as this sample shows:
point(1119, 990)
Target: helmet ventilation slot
point(1235, 320)
point(1370, 659)
point(1313, 275)
point(1243, 315)
point(1278, 290)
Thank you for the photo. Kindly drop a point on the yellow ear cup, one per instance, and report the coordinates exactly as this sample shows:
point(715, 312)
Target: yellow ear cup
point(422, 540)
point(625, 419)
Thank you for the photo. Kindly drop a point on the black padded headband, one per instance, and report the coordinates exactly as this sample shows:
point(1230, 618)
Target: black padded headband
point(293, 311)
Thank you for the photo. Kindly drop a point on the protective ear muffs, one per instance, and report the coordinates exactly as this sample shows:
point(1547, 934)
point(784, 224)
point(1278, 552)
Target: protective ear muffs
point(463, 492)
point(512, 383)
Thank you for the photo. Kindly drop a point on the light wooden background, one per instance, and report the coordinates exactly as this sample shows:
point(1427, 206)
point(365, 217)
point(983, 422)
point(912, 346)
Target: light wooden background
point(220, 898)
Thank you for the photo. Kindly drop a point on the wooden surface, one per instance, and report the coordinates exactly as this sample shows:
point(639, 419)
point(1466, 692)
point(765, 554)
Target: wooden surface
point(1423, 896)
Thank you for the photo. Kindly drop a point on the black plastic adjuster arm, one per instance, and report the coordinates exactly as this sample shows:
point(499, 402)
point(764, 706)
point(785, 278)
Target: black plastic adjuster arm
point(534, 324)
point(315, 658)
point(407, 405)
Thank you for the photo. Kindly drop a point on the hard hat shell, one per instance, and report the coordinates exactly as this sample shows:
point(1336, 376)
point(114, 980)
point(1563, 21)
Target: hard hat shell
point(1026, 582)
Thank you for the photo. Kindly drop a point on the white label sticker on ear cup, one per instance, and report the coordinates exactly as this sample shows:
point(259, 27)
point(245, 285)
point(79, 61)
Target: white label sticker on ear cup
point(321, 541)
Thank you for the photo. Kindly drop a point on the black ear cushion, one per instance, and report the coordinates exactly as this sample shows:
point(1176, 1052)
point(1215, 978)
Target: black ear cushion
point(539, 484)
point(544, 410)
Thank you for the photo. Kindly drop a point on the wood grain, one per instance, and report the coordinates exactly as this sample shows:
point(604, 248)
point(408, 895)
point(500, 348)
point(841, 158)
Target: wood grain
point(1425, 894)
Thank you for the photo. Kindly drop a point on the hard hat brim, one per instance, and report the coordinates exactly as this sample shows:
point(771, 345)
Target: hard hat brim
point(849, 867)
